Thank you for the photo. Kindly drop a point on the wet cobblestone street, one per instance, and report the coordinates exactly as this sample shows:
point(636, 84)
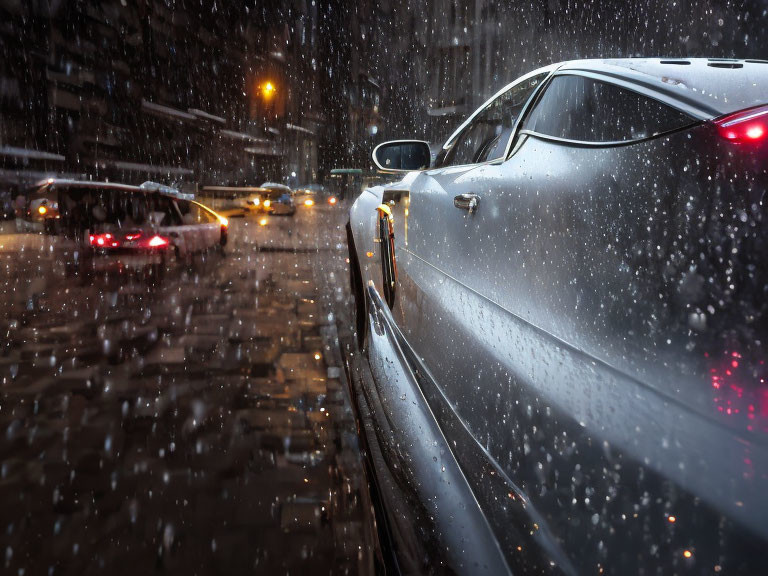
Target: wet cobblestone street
point(195, 424)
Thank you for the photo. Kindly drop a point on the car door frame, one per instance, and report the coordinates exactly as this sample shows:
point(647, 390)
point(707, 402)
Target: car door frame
point(456, 134)
point(404, 194)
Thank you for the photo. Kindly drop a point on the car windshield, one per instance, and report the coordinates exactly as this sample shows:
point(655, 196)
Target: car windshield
point(273, 193)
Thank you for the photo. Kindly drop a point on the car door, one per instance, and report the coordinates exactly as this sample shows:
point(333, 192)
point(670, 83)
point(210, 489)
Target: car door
point(440, 309)
point(427, 221)
point(201, 226)
point(422, 208)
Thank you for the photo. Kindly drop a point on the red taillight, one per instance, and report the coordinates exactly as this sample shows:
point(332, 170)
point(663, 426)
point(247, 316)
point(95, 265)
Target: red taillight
point(157, 242)
point(132, 240)
point(104, 241)
point(746, 126)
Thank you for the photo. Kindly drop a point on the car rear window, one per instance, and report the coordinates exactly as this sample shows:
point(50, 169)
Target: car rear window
point(108, 209)
point(723, 84)
point(586, 110)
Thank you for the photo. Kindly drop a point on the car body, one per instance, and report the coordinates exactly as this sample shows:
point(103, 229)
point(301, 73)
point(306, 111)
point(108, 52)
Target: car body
point(120, 221)
point(233, 201)
point(565, 321)
point(251, 198)
point(278, 187)
point(277, 199)
point(307, 194)
point(309, 189)
point(315, 194)
point(41, 212)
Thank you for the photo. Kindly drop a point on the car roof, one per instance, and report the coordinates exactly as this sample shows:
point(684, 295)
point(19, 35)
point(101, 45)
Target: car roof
point(146, 188)
point(66, 183)
point(249, 189)
point(703, 87)
point(275, 185)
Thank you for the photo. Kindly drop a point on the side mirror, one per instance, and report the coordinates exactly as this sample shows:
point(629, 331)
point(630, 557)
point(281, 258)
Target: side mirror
point(402, 156)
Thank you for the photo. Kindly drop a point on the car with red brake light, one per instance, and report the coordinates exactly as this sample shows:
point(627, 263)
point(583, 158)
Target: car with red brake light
point(151, 220)
point(277, 199)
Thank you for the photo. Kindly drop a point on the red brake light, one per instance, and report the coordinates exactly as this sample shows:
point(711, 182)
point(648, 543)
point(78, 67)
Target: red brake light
point(157, 242)
point(749, 125)
point(103, 241)
point(110, 241)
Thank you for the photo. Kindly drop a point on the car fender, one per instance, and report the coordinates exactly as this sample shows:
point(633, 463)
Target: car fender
point(362, 220)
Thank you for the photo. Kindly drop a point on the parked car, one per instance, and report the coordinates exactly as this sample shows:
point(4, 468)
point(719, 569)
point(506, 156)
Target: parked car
point(276, 199)
point(276, 186)
point(105, 219)
point(40, 212)
point(565, 316)
point(315, 194)
point(310, 189)
point(307, 194)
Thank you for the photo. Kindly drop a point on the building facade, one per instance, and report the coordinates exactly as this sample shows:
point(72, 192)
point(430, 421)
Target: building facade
point(159, 89)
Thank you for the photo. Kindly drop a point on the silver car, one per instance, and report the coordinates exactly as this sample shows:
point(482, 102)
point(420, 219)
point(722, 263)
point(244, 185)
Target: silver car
point(565, 319)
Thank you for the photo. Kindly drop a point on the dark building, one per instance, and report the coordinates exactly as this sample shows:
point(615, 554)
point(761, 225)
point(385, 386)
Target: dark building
point(168, 90)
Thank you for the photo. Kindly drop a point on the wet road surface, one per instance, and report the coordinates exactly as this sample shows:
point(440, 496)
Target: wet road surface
point(195, 423)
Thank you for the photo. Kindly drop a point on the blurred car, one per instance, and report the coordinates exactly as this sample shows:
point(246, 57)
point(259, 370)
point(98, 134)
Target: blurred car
point(275, 199)
point(276, 186)
point(305, 194)
point(565, 319)
point(151, 221)
point(234, 201)
point(244, 199)
point(312, 194)
point(309, 189)
point(252, 200)
point(41, 211)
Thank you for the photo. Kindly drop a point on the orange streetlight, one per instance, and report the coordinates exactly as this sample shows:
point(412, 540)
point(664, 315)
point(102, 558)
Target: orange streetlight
point(268, 90)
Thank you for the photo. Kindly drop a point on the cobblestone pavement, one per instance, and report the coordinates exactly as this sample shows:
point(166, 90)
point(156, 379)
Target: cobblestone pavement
point(197, 424)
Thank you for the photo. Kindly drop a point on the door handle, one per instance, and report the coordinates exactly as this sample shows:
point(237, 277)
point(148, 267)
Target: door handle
point(467, 202)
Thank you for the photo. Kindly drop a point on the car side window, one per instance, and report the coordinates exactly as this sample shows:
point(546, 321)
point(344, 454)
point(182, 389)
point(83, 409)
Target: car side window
point(163, 212)
point(586, 110)
point(205, 216)
point(486, 137)
point(194, 214)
